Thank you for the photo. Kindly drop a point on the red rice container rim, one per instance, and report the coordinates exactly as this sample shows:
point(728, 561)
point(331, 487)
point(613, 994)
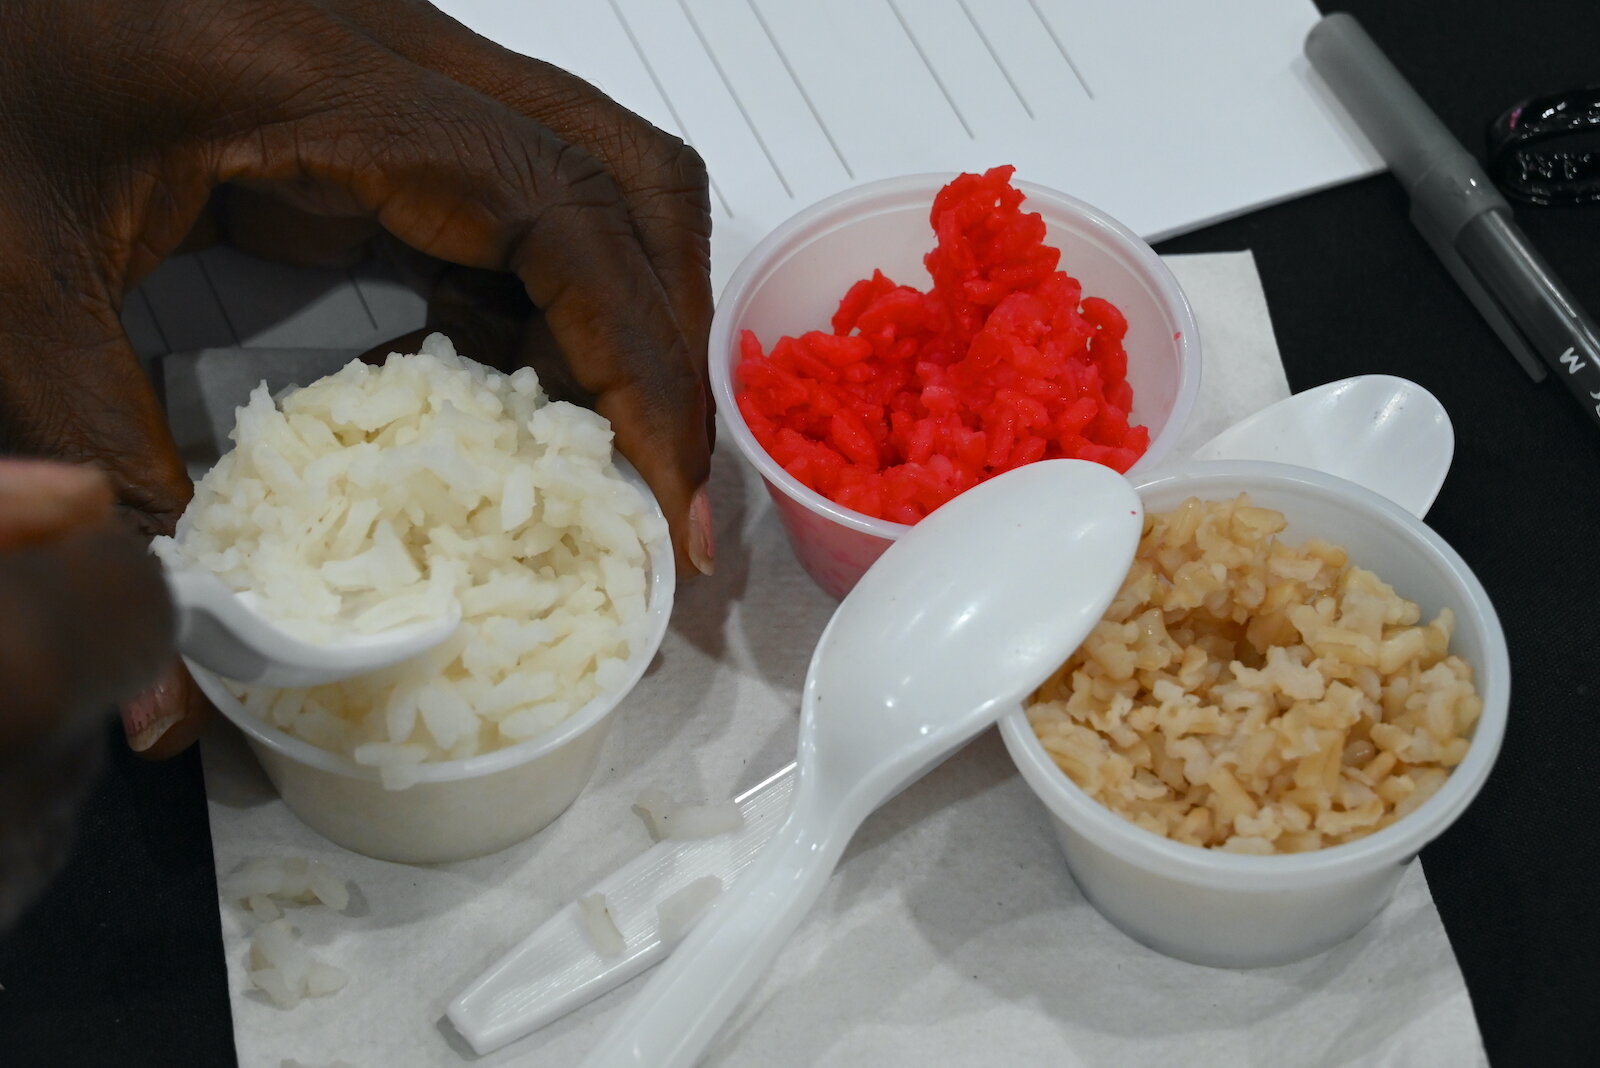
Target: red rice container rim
point(895, 194)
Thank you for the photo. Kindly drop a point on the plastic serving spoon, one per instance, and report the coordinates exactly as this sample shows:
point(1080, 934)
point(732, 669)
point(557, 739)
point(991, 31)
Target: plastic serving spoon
point(980, 602)
point(1382, 432)
point(1360, 426)
point(220, 630)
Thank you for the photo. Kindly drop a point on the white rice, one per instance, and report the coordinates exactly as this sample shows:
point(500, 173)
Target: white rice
point(680, 909)
point(600, 925)
point(666, 818)
point(285, 971)
point(262, 908)
point(279, 967)
point(268, 882)
point(381, 496)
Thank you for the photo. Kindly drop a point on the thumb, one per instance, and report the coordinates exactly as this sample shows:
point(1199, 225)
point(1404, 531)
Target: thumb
point(41, 500)
point(84, 621)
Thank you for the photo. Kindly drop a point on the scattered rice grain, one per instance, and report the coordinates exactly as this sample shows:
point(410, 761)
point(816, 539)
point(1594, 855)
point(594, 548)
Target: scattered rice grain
point(679, 911)
point(600, 925)
point(665, 817)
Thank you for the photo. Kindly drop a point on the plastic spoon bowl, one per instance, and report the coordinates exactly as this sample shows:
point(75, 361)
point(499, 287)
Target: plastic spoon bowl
point(221, 630)
point(956, 623)
point(1378, 431)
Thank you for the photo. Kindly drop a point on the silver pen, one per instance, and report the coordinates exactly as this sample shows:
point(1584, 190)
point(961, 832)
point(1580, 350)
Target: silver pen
point(1461, 214)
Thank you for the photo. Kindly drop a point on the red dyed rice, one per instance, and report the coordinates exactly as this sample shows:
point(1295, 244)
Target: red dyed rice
point(917, 396)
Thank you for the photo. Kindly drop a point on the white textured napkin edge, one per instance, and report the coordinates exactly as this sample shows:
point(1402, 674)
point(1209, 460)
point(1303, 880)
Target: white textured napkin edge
point(1241, 371)
point(951, 934)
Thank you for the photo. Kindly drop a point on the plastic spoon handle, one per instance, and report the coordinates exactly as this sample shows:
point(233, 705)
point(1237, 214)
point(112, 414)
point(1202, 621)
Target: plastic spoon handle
point(556, 968)
point(675, 1017)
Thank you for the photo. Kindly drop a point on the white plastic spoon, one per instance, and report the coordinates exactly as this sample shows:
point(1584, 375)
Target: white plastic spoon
point(1382, 432)
point(959, 620)
point(221, 630)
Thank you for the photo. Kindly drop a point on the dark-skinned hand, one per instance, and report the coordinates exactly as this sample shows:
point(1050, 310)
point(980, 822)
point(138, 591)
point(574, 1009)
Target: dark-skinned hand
point(576, 234)
point(84, 622)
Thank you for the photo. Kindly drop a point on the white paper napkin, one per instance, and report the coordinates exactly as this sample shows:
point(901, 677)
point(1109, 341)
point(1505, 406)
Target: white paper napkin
point(951, 933)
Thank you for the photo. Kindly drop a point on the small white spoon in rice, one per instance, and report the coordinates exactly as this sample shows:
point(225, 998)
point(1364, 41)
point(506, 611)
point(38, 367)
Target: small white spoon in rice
point(220, 630)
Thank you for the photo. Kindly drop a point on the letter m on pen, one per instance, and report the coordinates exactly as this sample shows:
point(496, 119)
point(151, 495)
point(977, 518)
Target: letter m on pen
point(1572, 361)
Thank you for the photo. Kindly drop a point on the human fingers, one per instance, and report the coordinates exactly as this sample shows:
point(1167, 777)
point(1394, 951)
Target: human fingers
point(44, 499)
point(166, 717)
point(302, 228)
point(85, 621)
point(662, 179)
point(68, 649)
point(71, 389)
point(665, 190)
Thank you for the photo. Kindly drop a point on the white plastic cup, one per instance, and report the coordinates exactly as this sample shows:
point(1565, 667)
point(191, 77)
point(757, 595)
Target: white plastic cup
point(793, 281)
point(1236, 911)
point(458, 809)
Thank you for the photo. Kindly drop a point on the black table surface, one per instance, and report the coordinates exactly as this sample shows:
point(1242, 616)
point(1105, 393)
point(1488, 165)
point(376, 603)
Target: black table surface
point(121, 963)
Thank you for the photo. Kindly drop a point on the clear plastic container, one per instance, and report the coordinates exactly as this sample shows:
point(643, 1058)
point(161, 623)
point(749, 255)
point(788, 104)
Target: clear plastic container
point(793, 280)
point(1230, 910)
point(459, 808)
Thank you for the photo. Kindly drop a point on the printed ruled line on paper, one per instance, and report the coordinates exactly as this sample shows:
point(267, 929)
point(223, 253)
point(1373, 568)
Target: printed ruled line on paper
point(655, 79)
point(936, 79)
point(1005, 72)
point(355, 284)
point(1051, 30)
point(216, 295)
point(150, 310)
point(738, 102)
point(800, 87)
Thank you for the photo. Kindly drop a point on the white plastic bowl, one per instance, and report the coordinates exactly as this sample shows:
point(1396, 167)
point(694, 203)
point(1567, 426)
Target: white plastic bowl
point(459, 808)
point(1230, 910)
point(794, 279)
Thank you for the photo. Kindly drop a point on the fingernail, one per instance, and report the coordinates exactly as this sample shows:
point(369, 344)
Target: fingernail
point(702, 546)
point(150, 715)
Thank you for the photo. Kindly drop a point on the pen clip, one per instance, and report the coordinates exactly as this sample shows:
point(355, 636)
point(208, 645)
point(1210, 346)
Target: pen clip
point(1442, 238)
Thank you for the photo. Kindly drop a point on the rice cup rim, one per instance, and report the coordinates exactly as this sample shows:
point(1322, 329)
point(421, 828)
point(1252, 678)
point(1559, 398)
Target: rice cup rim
point(895, 194)
point(658, 610)
point(1396, 843)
